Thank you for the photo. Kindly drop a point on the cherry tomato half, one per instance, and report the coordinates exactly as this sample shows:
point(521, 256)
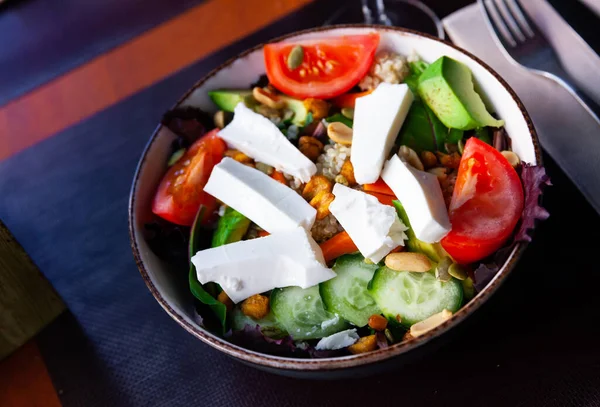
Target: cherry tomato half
point(486, 204)
point(330, 66)
point(180, 192)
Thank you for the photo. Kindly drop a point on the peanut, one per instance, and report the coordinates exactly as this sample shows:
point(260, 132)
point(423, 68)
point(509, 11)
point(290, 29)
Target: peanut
point(224, 299)
point(449, 160)
point(410, 156)
point(318, 107)
point(340, 133)
point(256, 307)
point(268, 98)
point(406, 261)
point(512, 158)
point(378, 322)
point(428, 324)
point(321, 203)
point(310, 146)
point(316, 184)
point(222, 118)
point(428, 159)
point(440, 172)
point(347, 171)
point(364, 344)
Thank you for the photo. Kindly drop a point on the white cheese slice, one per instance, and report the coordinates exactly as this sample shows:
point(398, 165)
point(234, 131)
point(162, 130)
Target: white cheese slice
point(378, 118)
point(422, 198)
point(257, 137)
point(374, 227)
point(338, 340)
point(249, 267)
point(266, 202)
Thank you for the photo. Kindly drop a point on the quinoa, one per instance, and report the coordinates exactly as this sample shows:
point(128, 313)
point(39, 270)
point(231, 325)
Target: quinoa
point(387, 67)
point(325, 228)
point(330, 162)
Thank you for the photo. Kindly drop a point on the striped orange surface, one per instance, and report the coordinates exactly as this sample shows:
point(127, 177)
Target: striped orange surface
point(132, 67)
point(24, 380)
point(94, 86)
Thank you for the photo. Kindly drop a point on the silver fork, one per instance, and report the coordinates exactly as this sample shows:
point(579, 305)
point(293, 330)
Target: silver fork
point(525, 45)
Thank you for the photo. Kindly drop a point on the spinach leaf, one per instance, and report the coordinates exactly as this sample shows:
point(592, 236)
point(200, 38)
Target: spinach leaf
point(197, 289)
point(338, 117)
point(422, 130)
point(412, 80)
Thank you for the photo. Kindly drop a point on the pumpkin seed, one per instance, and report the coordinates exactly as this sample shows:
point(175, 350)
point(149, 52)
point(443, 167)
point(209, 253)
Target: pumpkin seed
point(457, 271)
point(348, 112)
point(296, 57)
point(512, 158)
point(388, 335)
point(176, 156)
point(441, 272)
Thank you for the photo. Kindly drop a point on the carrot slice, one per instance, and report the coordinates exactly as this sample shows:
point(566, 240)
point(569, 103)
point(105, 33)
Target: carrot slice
point(348, 99)
point(337, 246)
point(383, 198)
point(380, 187)
point(278, 176)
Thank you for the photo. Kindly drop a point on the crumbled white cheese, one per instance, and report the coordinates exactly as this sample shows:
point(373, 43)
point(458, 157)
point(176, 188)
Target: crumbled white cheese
point(338, 340)
point(374, 227)
point(330, 322)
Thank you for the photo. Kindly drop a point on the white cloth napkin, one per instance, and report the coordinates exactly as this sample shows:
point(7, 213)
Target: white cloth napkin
point(566, 130)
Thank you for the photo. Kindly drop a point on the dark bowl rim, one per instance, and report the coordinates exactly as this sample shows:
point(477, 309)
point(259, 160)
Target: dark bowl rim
point(327, 364)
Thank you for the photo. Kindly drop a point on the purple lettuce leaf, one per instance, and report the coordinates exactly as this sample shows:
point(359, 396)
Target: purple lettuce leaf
point(253, 338)
point(534, 180)
point(190, 123)
point(382, 342)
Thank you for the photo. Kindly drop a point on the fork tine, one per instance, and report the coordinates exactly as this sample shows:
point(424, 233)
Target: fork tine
point(510, 20)
point(520, 16)
point(499, 28)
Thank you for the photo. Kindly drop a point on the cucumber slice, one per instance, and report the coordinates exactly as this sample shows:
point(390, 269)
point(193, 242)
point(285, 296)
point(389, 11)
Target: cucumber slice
point(302, 314)
point(347, 294)
point(413, 296)
point(268, 325)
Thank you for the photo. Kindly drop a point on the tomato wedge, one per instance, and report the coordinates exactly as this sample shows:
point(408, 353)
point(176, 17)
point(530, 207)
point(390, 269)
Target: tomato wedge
point(330, 66)
point(486, 204)
point(383, 198)
point(180, 193)
point(348, 99)
point(379, 186)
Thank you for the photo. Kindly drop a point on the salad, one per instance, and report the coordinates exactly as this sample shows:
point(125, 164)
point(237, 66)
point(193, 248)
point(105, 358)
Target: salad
point(349, 200)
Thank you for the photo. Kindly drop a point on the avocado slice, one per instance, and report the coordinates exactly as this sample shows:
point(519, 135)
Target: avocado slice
point(434, 251)
point(231, 228)
point(446, 86)
point(227, 100)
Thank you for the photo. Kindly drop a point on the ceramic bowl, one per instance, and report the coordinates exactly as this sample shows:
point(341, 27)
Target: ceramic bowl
point(173, 294)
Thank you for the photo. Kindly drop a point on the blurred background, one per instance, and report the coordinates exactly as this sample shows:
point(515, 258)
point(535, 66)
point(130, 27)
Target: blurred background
point(83, 83)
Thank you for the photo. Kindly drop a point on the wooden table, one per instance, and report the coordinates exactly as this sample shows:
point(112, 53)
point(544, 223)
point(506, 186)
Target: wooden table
point(98, 84)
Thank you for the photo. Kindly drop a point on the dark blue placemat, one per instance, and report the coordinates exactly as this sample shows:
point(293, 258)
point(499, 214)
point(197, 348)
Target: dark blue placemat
point(40, 40)
point(534, 343)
